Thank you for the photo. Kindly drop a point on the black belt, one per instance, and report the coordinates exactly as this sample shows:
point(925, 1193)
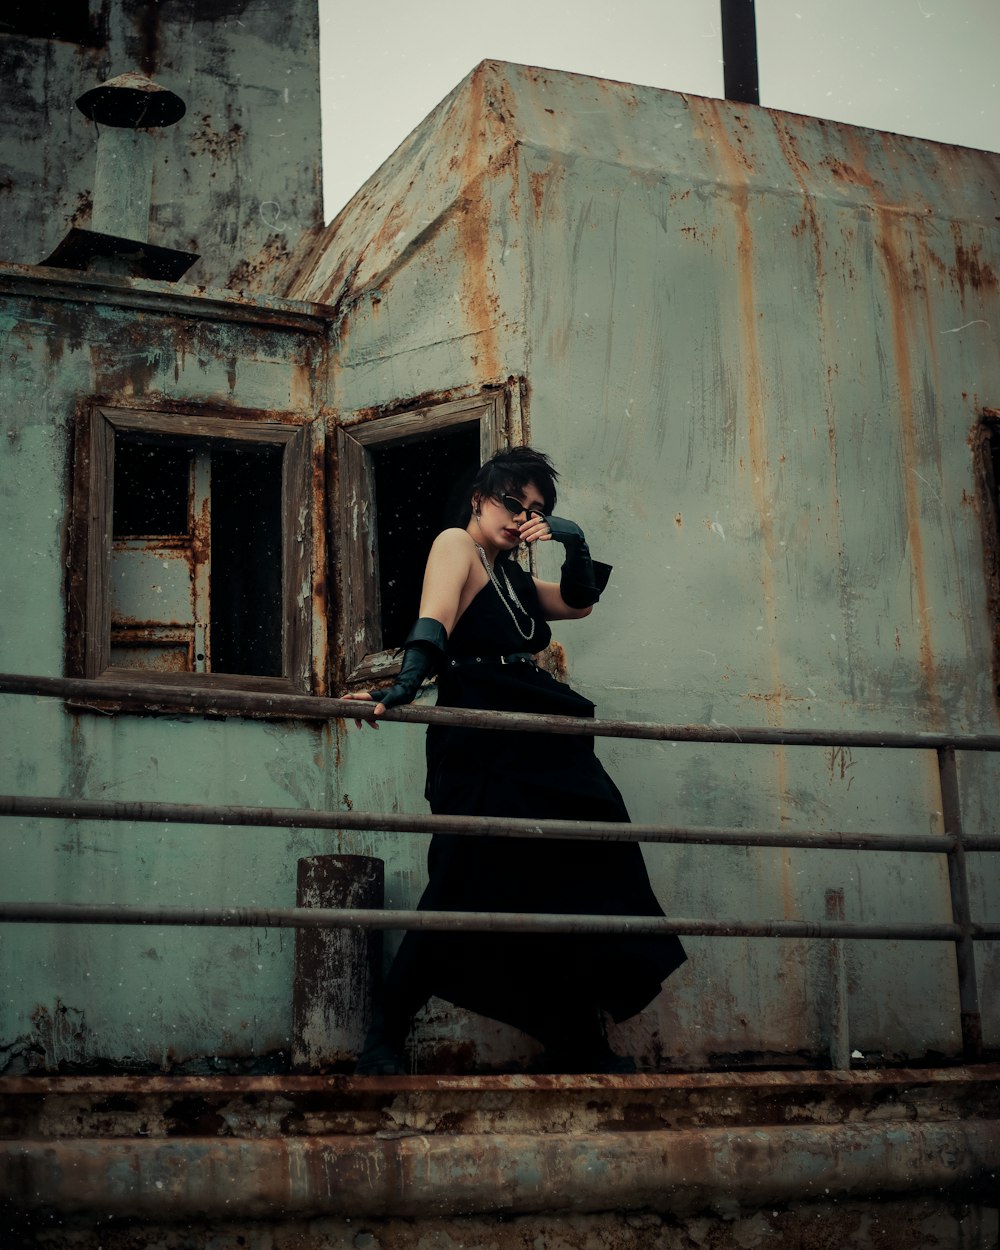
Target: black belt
point(515, 657)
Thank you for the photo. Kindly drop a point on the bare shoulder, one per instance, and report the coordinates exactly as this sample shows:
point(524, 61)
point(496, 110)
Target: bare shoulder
point(452, 555)
point(453, 542)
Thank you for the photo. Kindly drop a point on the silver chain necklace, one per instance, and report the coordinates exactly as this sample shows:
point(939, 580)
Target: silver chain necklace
point(510, 591)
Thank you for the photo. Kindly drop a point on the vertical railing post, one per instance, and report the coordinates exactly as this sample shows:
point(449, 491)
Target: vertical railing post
point(968, 989)
point(840, 1044)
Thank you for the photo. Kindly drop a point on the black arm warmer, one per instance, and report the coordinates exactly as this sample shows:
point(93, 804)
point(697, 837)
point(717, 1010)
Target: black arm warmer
point(583, 579)
point(425, 646)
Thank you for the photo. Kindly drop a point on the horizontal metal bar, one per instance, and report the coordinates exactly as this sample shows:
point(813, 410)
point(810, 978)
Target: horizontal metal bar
point(471, 921)
point(312, 707)
point(474, 826)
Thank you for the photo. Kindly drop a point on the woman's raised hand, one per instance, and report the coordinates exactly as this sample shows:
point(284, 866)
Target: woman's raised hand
point(536, 530)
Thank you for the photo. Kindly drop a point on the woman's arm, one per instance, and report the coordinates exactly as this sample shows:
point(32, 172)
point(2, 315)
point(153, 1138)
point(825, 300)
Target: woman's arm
point(445, 594)
point(554, 607)
point(582, 580)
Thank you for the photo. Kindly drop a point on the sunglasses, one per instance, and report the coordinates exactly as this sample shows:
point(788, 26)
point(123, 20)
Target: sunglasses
point(515, 508)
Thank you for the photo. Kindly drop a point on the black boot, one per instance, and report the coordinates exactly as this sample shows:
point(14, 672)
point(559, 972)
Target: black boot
point(580, 1044)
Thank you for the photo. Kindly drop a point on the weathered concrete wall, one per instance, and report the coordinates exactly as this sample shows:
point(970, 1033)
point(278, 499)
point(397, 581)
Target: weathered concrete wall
point(757, 346)
point(238, 179)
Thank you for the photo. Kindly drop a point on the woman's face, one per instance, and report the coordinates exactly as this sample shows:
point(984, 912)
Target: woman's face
point(499, 523)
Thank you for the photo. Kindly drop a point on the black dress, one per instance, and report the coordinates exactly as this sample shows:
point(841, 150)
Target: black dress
point(537, 983)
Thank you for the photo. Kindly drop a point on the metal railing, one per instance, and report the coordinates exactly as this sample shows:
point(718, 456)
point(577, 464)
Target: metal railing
point(963, 931)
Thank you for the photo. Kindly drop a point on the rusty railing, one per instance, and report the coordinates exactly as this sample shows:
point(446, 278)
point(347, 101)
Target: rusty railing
point(963, 931)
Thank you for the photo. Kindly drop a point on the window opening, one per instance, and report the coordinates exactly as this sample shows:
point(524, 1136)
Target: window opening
point(418, 493)
point(402, 476)
point(191, 548)
point(196, 556)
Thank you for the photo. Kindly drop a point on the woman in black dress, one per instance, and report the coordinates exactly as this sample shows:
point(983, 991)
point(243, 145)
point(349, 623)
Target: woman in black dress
point(482, 621)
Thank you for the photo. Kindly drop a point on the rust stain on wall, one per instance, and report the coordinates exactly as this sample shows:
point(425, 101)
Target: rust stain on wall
point(970, 269)
point(478, 292)
point(734, 161)
point(901, 280)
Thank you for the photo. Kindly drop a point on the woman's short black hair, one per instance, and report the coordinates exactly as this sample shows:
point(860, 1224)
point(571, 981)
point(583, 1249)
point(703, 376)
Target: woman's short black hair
point(511, 469)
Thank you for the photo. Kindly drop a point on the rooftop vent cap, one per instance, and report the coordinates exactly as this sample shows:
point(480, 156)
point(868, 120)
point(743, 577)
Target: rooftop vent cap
point(133, 102)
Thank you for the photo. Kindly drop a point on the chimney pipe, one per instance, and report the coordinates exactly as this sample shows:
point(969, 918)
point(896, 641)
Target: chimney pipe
point(126, 109)
point(739, 51)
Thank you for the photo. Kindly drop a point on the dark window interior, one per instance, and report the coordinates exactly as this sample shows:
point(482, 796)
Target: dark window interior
point(153, 483)
point(68, 20)
point(246, 559)
point(421, 486)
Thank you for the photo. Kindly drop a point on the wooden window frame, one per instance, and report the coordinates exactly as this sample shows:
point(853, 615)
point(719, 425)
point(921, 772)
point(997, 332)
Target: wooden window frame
point(498, 414)
point(89, 588)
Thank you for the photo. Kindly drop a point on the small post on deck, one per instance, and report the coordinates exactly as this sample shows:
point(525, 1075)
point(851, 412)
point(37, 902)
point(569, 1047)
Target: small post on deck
point(335, 969)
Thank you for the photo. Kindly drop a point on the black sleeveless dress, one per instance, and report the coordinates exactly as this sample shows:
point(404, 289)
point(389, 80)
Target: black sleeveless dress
point(531, 981)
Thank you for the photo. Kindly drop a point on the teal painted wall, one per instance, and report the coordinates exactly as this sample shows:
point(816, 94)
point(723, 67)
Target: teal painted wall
point(138, 995)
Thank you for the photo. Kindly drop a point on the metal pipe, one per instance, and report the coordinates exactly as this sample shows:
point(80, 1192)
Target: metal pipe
point(739, 51)
point(314, 707)
point(961, 909)
point(471, 921)
point(472, 826)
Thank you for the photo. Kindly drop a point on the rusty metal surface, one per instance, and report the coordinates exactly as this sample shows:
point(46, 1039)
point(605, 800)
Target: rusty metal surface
point(300, 1146)
point(120, 1104)
point(144, 295)
point(419, 1175)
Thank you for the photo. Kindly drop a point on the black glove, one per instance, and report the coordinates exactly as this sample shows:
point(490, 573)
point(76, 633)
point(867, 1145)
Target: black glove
point(424, 650)
point(583, 579)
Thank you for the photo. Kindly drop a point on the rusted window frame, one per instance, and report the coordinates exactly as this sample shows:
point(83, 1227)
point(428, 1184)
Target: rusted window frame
point(986, 437)
point(498, 413)
point(89, 586)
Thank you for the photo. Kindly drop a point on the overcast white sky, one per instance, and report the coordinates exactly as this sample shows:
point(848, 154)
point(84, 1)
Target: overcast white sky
point(918, 67)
